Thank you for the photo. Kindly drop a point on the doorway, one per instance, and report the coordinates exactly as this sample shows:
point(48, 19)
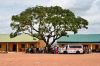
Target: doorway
point(62, 45)
point(6, 47)
point(96, 46)
point(14, 47)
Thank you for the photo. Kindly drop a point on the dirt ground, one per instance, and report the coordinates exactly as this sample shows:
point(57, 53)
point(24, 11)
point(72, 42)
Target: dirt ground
point(23, 59)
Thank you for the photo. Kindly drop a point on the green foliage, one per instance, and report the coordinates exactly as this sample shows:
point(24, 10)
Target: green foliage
point(11, 35)
point(36, 35)
point(51, 21)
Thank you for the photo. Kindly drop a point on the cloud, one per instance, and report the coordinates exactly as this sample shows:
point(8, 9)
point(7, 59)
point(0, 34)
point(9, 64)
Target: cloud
point(77, 6)
point(14, 7)
point(24, 2)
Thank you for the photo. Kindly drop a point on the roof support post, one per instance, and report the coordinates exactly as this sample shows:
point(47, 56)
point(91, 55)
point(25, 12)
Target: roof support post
point(37, 44)
point(7, 47)
point(17, 47)
point(27, 45)
point(91, 46)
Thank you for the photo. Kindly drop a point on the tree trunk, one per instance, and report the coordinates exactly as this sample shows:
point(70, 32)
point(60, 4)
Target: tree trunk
point(49, 48)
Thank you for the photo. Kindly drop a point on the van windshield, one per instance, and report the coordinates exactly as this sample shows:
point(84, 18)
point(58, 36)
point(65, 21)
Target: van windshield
point(75, 46)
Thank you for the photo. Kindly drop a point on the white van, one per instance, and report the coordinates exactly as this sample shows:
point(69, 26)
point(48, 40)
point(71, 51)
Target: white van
point(72, 49)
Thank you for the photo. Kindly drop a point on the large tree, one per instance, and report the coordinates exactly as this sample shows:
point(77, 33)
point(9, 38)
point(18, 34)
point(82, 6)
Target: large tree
point(52, 22)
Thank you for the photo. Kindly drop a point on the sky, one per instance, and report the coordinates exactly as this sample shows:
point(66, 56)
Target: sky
point(87, 9)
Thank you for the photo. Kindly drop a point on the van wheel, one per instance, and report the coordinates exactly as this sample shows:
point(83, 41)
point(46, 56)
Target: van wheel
point(78, 52)
point(65, 52)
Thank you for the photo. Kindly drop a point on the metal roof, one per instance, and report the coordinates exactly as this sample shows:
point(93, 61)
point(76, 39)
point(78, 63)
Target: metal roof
point(80, 38)
point(19, 38)
point(4, 37)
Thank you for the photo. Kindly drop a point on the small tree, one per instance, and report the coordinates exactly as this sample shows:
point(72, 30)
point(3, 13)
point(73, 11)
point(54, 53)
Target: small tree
point(52, 22)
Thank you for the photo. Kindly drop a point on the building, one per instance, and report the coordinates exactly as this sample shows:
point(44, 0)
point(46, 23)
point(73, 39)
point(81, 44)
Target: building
point(87, 40)
point(19, 42)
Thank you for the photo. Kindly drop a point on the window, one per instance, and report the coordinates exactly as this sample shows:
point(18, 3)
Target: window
point(23, 45)
point(75, 46)
point(0, 45)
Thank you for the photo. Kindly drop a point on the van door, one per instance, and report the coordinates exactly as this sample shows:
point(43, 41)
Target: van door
point(69, 49)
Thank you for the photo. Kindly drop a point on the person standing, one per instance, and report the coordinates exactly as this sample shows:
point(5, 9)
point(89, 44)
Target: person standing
point(26, 49)
point(37, 49)
point(29, 50)
point(89, 50)
point(42, 49)
point(33, 50)
point(46, 49)
point(58, 49)
point(83, 49)
point(53, 48)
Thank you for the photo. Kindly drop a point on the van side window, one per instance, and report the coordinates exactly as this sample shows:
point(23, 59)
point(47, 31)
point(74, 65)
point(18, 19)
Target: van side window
point(71, 46)
point(75, 46)
point(79, 46)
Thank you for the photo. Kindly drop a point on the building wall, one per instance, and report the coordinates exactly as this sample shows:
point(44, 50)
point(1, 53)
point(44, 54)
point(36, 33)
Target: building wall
point(89, 44)
point(40, 43)
point(3, 47)
point(19, 45)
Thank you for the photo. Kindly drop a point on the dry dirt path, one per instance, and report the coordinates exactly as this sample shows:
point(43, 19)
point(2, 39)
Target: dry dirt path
point(22, 59)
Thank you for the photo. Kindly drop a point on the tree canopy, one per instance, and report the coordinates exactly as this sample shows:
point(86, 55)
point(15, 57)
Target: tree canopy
point(48, 22)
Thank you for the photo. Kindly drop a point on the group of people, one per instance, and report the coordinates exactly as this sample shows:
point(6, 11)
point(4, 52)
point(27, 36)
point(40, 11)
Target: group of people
point(86, 50)
point(53, 49)
point(97, 50)
point(34, 50)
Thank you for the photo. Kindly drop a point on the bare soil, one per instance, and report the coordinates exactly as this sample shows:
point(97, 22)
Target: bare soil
point(23, 59)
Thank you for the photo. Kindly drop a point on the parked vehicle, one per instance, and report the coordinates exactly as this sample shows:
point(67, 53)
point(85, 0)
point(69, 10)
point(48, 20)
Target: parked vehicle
point(72, 49)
